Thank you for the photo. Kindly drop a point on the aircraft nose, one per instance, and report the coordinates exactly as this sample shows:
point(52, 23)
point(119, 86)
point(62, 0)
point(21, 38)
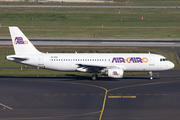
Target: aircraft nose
point(171, 65)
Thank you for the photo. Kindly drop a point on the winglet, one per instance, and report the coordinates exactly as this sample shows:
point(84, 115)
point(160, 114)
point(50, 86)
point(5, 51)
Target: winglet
point(21, 43)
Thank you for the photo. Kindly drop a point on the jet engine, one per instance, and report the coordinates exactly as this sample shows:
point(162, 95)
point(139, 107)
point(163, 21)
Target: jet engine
point(114, 73)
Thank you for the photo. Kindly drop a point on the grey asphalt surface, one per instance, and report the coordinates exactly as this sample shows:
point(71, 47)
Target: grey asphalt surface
point(100, 42)
point(77, 97)
point(89, 6)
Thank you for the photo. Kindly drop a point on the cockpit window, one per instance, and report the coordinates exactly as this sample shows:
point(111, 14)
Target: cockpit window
point(163, 59)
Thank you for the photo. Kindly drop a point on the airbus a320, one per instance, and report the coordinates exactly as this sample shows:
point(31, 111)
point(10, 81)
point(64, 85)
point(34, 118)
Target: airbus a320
point(109, 64)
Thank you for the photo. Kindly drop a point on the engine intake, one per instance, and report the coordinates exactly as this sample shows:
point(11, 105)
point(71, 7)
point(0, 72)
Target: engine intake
point(114, 73)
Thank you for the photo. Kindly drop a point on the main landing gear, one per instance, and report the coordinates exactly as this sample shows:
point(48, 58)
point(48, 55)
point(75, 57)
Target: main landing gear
point(94, 76)
point(150, 75)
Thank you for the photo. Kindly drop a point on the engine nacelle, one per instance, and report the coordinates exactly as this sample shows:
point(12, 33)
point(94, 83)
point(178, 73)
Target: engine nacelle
point(82, 70)
point(114, 73)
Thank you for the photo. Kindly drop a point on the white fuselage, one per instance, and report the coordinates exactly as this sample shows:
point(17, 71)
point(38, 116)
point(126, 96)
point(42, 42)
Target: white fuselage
point(71, 61)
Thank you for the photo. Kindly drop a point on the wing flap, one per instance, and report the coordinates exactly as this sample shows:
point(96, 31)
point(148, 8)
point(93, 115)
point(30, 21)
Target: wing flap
point(97, 67)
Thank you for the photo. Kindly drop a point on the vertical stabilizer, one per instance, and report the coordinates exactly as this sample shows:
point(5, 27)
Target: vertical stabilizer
point(21, 43)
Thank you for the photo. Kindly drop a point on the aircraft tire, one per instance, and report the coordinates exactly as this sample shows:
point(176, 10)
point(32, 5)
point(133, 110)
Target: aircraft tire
point(151, 78)
point(94, 77)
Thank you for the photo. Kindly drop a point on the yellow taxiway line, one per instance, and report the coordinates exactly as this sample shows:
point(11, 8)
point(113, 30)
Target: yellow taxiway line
point(121, 96)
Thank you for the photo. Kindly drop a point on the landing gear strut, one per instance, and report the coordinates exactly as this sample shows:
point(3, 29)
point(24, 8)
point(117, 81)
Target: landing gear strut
point(94, 76)
point(151, 75)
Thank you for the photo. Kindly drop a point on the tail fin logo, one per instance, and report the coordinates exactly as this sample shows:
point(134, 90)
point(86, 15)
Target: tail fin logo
point(19, 40)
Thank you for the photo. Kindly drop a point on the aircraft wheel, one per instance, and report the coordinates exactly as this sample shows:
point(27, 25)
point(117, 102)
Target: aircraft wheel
point(94, 77)
point(151, 78)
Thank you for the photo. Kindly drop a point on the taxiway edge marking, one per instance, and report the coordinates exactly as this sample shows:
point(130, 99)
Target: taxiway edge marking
point(6, 106)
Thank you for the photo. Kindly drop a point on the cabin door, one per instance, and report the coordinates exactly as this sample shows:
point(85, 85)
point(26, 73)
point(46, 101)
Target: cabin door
point(40, 60)
point(151, 60)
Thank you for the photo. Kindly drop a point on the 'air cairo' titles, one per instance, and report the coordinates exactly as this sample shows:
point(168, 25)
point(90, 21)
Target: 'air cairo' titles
point(130, 60)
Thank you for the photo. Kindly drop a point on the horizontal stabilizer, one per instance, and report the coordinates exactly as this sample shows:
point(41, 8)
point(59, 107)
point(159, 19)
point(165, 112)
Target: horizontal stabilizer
point(15, 57)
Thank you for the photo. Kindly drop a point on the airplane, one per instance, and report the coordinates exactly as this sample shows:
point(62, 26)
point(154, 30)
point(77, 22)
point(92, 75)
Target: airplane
point(109, 64)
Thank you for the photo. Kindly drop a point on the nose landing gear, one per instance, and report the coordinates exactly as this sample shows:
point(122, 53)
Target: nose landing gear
point(150, 75)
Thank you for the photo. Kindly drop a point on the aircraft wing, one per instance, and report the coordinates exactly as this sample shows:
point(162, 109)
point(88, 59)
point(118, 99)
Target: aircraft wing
point(92, 65)
point(97, 67)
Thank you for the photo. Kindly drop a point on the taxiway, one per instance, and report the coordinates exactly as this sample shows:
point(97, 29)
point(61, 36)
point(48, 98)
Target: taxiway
point(77, 97)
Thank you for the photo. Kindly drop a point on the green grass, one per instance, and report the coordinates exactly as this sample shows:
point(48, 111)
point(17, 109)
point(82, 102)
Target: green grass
point(53, 73)
point(38, 72)
point(87, 22)
point(116, 2)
